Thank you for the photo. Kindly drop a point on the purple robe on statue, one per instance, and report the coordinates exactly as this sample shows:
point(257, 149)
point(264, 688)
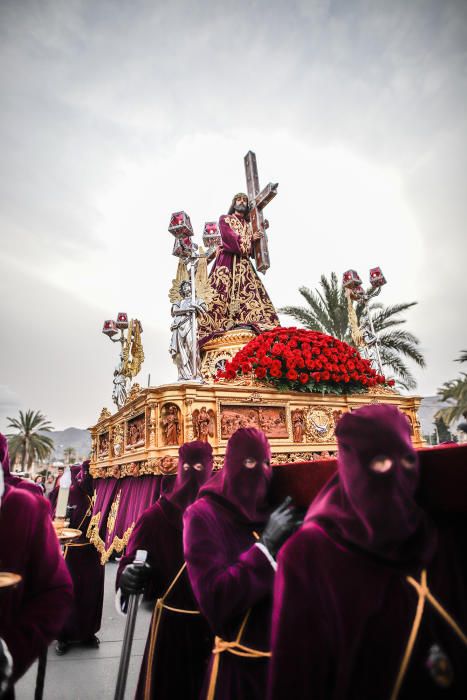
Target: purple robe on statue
point(232, 577)
point(9, 478)
point(343, 607)
point(33, 613)
point(178, 646)
point(240, 299)
point(83, 563)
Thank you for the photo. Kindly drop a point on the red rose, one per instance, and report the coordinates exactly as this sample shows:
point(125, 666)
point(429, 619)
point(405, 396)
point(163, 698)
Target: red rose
point(391, 382)
point(260, 372)
point(292, 375)
point(316, 376)
point(246, 368)
point(303, 377)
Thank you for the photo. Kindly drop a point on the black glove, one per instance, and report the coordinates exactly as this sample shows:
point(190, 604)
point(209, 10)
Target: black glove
point(134, 578)
point(6, 667)
point(281, 524)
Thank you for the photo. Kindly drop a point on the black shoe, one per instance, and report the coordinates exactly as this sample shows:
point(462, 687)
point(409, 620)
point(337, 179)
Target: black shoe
point(92, 642)
point(61, 648)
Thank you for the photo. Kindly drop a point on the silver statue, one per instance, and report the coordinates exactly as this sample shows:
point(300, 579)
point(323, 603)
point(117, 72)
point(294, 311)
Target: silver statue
point(120, 391)
point(184, 347)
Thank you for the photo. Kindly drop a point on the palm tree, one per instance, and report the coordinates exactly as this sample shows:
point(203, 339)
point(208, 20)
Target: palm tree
point(327, 311)
point(28, 443)
point(454, 390)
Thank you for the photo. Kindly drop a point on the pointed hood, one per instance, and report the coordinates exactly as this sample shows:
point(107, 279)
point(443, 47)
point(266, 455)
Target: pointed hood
point(242, 490)
point(372, 510)
point(189, 479)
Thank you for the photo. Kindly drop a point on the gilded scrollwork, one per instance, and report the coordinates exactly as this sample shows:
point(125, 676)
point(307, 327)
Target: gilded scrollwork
point(112, 519)
point(117, 440)
point(319, 424)
point(104, 414)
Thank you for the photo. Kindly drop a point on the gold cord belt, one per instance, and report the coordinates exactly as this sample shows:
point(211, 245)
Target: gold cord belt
point(155, 622)
point(424, 594)
point(236, 648)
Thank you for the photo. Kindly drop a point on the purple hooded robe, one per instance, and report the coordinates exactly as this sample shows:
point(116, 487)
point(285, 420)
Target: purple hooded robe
point(83, 563)
point(178, 646)
point(232, 578)
point(343, 607)
point(32, 613)
point(240, 298)
point(9, 478)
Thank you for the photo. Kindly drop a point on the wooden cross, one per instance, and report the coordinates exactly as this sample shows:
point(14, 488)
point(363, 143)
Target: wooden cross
point(257, 202)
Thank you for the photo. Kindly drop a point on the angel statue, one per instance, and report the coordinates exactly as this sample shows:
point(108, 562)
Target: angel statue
point(184, 347)
point(119, 394)
point(181, 348)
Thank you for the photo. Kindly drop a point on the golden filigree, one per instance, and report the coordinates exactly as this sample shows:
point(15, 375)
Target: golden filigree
point(117, 439)
point(319, 424)
point(112, 519)
point(244, 231)
point(203, 288)
point(132, 352)
point(181, 276)
point(134, 392)
point(252, 304)
point(104, 414)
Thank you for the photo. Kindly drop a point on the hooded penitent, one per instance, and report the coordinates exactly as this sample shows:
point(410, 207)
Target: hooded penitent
point(241, 490)
point(189, 479)
point(8, 477)
point(371, 510)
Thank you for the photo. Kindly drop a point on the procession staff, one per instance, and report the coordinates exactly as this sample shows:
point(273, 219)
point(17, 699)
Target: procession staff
point(33, 612)
point(230, 540)
point(368, 602)
point(179, 641)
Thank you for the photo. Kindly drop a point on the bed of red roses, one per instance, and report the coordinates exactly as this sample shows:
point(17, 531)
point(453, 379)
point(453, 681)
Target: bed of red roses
point(301, 360)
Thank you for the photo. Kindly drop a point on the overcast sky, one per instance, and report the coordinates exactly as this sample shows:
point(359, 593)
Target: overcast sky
point(116, 113)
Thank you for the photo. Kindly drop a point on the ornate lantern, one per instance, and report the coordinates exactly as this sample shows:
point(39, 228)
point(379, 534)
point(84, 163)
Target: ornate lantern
point(184, 247)
point(180, 225)
point(122, 320)
point(211, 234)
point(357, 293)
point(377, 279)
point(109, 328)
point(351, 279)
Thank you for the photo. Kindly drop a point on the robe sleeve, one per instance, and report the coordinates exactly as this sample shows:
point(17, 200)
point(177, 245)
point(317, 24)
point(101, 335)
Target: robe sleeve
point(224, 589)
point(48, 596)
point(302, 630)
point(230, 240)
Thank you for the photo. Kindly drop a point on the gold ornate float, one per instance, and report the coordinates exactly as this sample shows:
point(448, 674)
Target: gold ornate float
point(143, 437)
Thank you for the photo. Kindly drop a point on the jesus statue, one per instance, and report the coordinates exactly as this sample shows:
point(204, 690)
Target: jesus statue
point(240, 299)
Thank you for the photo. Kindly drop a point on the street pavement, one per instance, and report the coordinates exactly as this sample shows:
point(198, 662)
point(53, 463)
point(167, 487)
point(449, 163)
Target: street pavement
point(86, 674)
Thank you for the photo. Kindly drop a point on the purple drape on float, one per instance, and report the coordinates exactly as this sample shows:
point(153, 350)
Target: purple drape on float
point(120, 502)
point(132, 498)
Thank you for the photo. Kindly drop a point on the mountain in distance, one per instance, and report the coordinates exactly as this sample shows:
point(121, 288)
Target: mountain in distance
point(78, 439)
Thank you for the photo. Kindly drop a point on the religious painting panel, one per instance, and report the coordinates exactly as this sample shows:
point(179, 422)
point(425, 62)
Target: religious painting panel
point(104, 444)
point(171, 424)
point(136, 431)
point(270, 419)
point(203, 424)
point(298, 424)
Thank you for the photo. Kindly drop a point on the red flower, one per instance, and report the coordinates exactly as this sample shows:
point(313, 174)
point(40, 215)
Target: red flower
point(292, 375)
point(303, 377)
point(260, 372)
